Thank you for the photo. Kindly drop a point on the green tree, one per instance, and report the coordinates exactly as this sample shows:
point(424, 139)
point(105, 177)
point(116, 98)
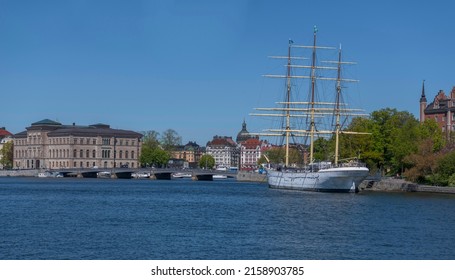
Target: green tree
point(277, 155)
point(207, 161)
point(170, 139)
point(423, 162)
point(7, 155)
point(405, 132)
point(153, 155)
point(160, 157)
point(422, 165)
point(150, 138)
point(146, 157)
point(445, 169)
point(393, 137)
point(323, 149)
point(452, 181)
point(430, 130)
point(362, 145)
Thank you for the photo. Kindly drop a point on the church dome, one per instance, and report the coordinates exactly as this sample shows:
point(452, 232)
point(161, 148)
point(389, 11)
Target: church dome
point(243, 135)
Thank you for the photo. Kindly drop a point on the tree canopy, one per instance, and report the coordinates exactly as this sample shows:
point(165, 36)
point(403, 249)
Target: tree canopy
point(7, 155)
point(170, 139)
point(152, 154)
point(207, 161)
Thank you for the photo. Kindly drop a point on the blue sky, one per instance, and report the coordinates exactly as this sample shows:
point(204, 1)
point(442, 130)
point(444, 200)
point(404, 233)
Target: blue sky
point(196, 66)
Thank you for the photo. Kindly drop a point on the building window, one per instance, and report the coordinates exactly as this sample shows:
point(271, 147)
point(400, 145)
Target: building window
point(126, 154)
point(81, 155)
point(132, 154)
point(74, 153)
point(93, 154)
point(120, 154)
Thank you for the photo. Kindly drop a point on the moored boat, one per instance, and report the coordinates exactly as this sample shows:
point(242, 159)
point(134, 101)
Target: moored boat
point(316, 176)
point(181, 175)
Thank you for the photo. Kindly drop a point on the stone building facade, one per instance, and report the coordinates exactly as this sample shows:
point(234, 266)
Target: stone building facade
point(50, 145)
point(442, 110)
point(250, 152)
point(224, 150)
point(190, 153)
point(251, 149)
point(243, 153)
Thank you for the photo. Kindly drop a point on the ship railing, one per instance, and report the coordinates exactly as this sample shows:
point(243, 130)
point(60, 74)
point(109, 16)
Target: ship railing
point(320, 165)
point(353, 164)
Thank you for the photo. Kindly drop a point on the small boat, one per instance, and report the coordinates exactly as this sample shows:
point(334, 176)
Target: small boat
point(49, 174)
point(139, 175)
point(219, 176)
point(104, 174)
point(181, 175)
point(44, 174)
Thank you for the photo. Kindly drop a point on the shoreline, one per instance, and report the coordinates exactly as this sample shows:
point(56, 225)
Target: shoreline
point(400, 185)
point(385, 184)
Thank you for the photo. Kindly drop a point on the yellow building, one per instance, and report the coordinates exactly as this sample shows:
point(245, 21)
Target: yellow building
point(190, 153)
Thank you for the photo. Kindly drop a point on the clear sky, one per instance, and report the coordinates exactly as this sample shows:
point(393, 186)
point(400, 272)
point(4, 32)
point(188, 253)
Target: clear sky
point(196, 66)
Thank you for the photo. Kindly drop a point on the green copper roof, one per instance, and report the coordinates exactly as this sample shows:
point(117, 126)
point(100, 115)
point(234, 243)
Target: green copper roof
point(46, 122)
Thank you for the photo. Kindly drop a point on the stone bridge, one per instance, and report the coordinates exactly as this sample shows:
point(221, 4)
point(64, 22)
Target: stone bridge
point(154, 173)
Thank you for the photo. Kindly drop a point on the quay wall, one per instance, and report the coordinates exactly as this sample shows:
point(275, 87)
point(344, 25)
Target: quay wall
point(400, 185)
point(19, 173)
point(243, 176)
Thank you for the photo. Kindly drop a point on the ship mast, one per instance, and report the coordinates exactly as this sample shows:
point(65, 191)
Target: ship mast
point(313, 109)
point(337, 107)
point(288, 102)
point(312, 101)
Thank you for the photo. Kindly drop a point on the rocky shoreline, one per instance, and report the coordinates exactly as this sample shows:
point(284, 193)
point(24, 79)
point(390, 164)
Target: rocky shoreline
point(400, 185)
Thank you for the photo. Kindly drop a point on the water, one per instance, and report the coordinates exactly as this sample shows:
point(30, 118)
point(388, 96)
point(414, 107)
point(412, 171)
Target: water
point(64, 218)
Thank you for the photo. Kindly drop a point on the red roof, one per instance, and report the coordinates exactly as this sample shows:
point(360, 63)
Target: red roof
point(4, 133)
point(251, 143)
point(222, 141)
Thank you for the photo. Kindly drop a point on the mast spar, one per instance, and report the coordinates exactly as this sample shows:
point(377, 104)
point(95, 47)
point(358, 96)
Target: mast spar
point(288, 99)
point(337, 107)
point(312, 101)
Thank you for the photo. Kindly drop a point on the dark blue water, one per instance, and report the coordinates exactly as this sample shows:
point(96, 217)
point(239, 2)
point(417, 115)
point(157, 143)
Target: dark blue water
point(60, 218)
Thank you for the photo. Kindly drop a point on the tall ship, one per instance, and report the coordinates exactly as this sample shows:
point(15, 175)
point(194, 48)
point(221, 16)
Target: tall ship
point(304, 120)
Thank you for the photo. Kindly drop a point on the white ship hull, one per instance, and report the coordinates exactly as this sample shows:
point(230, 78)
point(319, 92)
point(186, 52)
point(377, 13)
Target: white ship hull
point(337, 179)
